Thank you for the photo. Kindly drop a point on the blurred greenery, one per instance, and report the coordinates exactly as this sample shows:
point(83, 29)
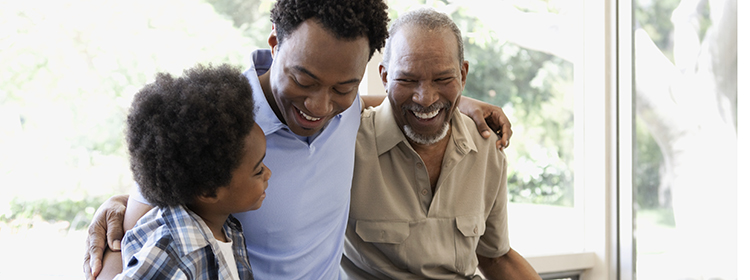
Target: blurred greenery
point(655, 17)
point(647, 170)
point(77, 213)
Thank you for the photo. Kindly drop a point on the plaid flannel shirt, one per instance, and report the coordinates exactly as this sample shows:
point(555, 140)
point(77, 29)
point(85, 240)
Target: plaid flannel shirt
point(175, 243)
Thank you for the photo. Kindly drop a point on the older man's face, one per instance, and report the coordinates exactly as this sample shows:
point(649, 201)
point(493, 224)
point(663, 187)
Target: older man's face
point(424, 81)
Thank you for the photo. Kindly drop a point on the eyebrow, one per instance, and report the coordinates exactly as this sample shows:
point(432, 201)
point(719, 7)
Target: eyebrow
point(307, 72)
point(410, 74)
point(261, 160)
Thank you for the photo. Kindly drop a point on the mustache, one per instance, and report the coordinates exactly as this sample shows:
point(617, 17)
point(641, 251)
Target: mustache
point(421, 109)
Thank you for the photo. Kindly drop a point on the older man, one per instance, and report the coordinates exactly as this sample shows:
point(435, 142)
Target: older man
point(429, 193)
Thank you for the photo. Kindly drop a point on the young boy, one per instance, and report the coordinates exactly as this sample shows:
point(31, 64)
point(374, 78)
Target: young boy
point(197, 154)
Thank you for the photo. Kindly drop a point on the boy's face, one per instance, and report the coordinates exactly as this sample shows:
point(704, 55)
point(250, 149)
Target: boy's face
point(315, 76)
point(247, 189)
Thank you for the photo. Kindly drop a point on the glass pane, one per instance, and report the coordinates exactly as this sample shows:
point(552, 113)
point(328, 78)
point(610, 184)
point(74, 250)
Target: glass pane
point(69, 70)
point(521, 57)
point(685, 166)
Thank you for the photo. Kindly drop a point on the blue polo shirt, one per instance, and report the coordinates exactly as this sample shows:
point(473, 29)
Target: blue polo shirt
point(298, 233)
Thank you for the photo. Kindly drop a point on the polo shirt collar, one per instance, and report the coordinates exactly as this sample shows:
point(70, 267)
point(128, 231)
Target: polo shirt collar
point(388, 134)
point(264, 115)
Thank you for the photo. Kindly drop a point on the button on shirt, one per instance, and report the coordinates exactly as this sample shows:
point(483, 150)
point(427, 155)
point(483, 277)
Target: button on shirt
point(298, 233)
point(398, 228)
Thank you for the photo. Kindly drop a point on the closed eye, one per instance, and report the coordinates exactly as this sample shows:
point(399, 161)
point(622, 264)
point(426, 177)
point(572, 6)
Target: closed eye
point(300, 84)
point(262, 169)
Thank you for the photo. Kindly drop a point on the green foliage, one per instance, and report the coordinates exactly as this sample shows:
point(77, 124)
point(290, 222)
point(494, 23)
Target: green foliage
point(78, 213)
point(252, 18)
point(536, 88)
point(647, 170)
point(655, 17)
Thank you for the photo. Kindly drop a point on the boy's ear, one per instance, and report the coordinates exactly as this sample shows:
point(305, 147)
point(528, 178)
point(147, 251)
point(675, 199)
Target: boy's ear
point(208, 198)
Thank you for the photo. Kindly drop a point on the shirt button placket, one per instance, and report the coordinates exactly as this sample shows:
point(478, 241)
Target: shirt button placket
point(423, 183)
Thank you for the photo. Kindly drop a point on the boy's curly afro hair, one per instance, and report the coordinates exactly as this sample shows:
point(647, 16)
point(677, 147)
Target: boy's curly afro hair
point(186, 135)
point(345, 19)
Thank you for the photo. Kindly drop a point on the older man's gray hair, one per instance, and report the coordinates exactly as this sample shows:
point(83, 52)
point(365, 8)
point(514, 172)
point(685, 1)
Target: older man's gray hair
point(426, 18)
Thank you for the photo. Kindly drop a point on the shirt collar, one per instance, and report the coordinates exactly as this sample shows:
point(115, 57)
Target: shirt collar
point(388, 134)
point(264, 115)
point(190, 230)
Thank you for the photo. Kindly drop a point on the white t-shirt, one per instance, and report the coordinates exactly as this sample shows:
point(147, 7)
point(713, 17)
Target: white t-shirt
point(226, 250)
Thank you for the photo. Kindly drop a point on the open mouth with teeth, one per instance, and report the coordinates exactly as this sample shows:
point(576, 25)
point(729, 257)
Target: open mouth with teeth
point(308, 117)
point(426, 115)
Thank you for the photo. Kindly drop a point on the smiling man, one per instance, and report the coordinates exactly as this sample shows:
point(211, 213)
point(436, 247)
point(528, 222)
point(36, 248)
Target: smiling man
point(429, 195)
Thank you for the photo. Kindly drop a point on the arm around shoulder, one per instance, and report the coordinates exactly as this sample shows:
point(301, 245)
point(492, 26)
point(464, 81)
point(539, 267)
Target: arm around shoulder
point(509, 266)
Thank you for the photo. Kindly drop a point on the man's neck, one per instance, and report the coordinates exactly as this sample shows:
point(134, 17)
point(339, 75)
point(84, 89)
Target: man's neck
point(432, 156)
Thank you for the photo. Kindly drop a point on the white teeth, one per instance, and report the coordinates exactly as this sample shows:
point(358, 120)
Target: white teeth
point(309, 118)
point(427, 115)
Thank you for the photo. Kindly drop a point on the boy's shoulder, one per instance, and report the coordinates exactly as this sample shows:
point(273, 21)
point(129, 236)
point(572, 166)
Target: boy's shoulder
point(167, 227)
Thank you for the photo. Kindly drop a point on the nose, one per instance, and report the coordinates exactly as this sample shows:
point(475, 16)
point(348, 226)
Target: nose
point(319, 104)
point(425, 94)
point(268, 173)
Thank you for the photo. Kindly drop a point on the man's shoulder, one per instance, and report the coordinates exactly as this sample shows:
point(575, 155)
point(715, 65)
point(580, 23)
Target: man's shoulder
point(470, 132)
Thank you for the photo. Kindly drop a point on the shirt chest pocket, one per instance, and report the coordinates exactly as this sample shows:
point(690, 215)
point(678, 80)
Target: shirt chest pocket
point(470, 229)
point(386, 237)
point(383, 232)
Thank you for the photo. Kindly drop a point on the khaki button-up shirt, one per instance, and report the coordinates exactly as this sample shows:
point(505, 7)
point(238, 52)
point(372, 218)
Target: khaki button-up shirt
point(398, 228)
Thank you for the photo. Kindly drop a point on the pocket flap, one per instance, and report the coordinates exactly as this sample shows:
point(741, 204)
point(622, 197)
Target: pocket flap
point(383, 232)
point(470, 225)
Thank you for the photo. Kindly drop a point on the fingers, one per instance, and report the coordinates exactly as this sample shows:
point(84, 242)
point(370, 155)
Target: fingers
point(505, 135)
point(92, 260)
point(86, 264)
point(114, 228)
point(105, 227)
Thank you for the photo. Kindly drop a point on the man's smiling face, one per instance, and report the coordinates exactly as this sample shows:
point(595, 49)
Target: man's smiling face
point(315, 76)
point(424, 81)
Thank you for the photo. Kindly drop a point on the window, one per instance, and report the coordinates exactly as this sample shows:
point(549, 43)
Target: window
point(685, 139)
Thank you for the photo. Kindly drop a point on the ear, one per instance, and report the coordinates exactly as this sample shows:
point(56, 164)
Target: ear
point(273, 40)
point(383, 75)
point(209, 198)
point(464, 72)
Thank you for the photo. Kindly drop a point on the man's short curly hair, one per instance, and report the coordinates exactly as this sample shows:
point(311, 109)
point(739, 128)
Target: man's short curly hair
point(345, 19)
point(186, 135)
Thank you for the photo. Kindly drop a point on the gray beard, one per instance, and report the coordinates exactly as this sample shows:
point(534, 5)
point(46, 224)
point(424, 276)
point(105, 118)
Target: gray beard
point(426, 139)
